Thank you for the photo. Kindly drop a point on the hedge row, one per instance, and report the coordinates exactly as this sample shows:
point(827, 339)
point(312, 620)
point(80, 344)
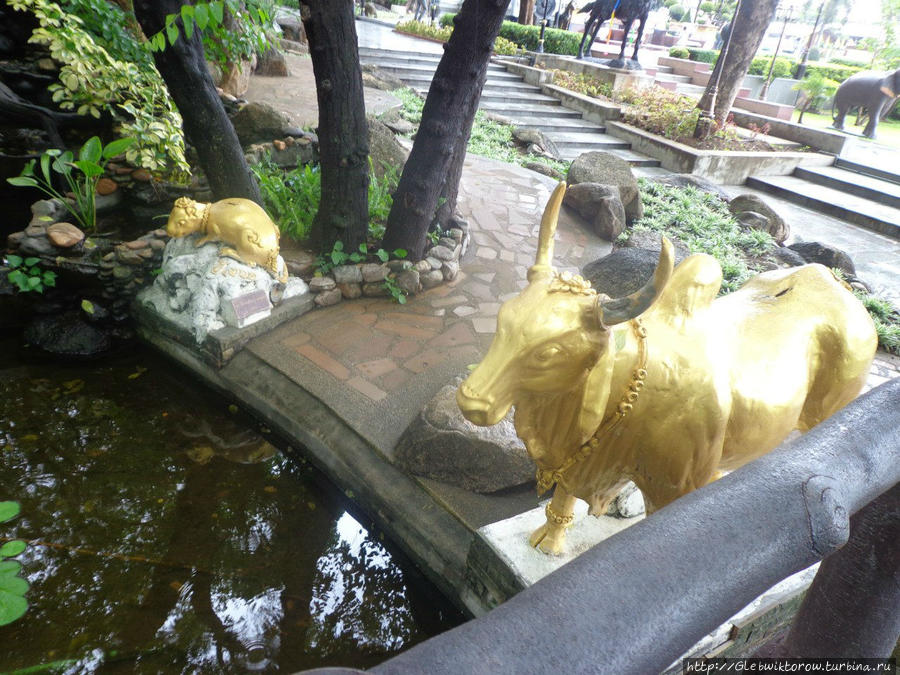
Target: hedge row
point(784, 67)
point(556, 41)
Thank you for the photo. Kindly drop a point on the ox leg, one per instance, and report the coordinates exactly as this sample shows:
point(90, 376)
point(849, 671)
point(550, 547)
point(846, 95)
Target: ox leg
point(550, 536)
point(627, 28)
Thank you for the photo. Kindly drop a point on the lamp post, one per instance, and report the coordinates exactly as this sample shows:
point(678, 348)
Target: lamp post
point(707, 116)
point(765, 87)
point(801, 68)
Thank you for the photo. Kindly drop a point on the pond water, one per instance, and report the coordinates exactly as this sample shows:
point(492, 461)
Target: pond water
point(167, 533)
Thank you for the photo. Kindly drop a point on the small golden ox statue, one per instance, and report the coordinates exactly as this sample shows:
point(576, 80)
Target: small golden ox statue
point(666, 387)
point(250, 235)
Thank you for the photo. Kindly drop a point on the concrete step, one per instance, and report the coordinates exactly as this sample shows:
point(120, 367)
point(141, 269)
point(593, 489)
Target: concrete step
point(564, 125)
point(856, 210)
point(882, 173)
point(421, 70)
point(663, 70)
point(633, 158)
point(678, 79)
point(859, 184)
point(383, 58)
point(586, 142)
point(690, 89)
point(529, 111)
point(495, 84)
point(513, 96)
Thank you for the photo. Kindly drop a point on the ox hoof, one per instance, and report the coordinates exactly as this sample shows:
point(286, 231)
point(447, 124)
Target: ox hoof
point(548, 539)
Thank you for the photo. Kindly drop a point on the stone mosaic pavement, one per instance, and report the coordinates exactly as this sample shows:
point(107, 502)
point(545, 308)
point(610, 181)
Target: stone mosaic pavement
point(376, 363)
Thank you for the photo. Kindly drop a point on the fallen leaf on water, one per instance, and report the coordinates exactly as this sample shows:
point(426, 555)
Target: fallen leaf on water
point(311, 506)
point(30, 437)
point(270, 488)
point(139, 370)
point(232, 408)
point(73, 386)
point(176, 585)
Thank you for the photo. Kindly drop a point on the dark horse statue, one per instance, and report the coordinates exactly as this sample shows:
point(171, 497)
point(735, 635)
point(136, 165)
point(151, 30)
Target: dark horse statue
point(627, 11)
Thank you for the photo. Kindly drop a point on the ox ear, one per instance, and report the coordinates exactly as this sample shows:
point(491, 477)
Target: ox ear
point(542, 267)
point(611, 312)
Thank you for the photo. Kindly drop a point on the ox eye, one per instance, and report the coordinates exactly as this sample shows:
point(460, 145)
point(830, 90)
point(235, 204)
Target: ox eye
point(547, 353)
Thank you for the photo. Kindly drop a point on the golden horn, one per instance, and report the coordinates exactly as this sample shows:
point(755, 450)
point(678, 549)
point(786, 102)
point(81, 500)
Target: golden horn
point(542, 262)
point(611, 312)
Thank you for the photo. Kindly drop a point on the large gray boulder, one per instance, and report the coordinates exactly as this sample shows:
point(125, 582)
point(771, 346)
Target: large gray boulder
point(537, 142)
point(441, 444)
point(607, 169)
point(652, 241)
point(259, 122)
point(621, 272)
point(764, 217)
point(824, 254)
point(600, 205)
point(384, 149)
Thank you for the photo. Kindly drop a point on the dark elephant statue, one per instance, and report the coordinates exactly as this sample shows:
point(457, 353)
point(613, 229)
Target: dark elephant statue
point(874, 91)
point(626, 11)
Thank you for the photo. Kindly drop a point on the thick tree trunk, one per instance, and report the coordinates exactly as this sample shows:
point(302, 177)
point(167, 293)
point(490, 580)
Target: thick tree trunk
point(206, 125)
point(748, 28)
point(435, 163)
point(526, 12)
point(343, 134)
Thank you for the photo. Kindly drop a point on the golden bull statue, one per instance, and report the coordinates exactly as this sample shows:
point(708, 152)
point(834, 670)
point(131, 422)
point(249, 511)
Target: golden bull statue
point(666, 387)
point(249, 234)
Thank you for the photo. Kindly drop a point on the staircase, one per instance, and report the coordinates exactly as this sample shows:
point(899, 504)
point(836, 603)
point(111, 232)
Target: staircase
point(857, 193)
point(508, 95)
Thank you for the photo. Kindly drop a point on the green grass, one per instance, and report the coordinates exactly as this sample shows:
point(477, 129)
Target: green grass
point(488, 138)
point(702, 222)
point(888, 132)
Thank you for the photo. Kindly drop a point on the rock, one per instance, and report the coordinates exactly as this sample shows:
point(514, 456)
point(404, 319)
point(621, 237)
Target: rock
point(600, 205)
point(374, 290)
point(607, 169)
point(399, 265)
point(408, 281)
point(652, 241)
point(431, 279)
point(753, 220)
point(450, 270)
point(236, 80)
point(136, 245)
point(545, 170)
point(141, 175)
point(106, 186)
point(257, 122)
point(621, 272)
point(271, 63)
point(292, 28)
point(385, 151)
point(321, 284)
point(14, 240)
point(687, 180)
point(457, 222)
point(434, 262)
point(442, 445)
point(350, 291)
point(375, 77)
point(787, 257)
point(347, 274)
point(775, 223)
point(67, 334)
point(423, 266)
point(373, 272)
point(64, 235)
point(328, 298)
point(36, 230)
point(535, 137)
point(53, 209)
point(830, 256)
point(37, 246)
point(629, 503)
point(370, 10)
point(291, 156)
point(400, 126)
point(441, 253)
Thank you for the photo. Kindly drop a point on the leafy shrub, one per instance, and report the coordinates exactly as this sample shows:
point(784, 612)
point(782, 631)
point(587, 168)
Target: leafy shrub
point(26, 274)
point(853, 63)
point(677, 12)
point(424, 29)
point(886, 318)
point(831, 71)
point(12, 587)
point(679, 53)
point(704, 55)
point(660, 111)
point(505, 47)
point(98, 77)
point(583, 84)
point(782, 68)
point(556, 41)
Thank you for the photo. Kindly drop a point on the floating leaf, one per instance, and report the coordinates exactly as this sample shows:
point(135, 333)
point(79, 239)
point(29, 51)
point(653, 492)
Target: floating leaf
point(87, 306)
point(9, 510)
point(139, 370)
point(12, 548)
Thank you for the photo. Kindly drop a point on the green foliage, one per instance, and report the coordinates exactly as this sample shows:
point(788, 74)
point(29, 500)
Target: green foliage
point(338, 256)
point(82, 182)
point(556, 41)
point(27, 276)
point(816, 90)
point(660, 111)
point(760, 66)
point(679, 53)
point(678, 13)
point(397, 293)
point(886, 318)
point(97, 76)
point(412, 104)
point(505, 47)
point(232, 29)
point(701, 221)
point(425, 29)
point(708, 7)
point(290, 197)
point(583, 84)
point(831, 71)
point(12, 587)
point(704, 55)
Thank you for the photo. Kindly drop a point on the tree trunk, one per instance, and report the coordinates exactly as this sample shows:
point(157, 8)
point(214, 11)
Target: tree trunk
point(526, 12)
point(343, 135)
point(748, 28)
point(206, 125)
point(435, 163)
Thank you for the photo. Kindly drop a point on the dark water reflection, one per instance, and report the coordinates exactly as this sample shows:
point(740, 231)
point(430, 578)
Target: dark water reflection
point(167, 535)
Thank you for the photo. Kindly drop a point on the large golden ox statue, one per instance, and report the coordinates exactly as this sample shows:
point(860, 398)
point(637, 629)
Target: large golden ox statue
point(666, 387)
